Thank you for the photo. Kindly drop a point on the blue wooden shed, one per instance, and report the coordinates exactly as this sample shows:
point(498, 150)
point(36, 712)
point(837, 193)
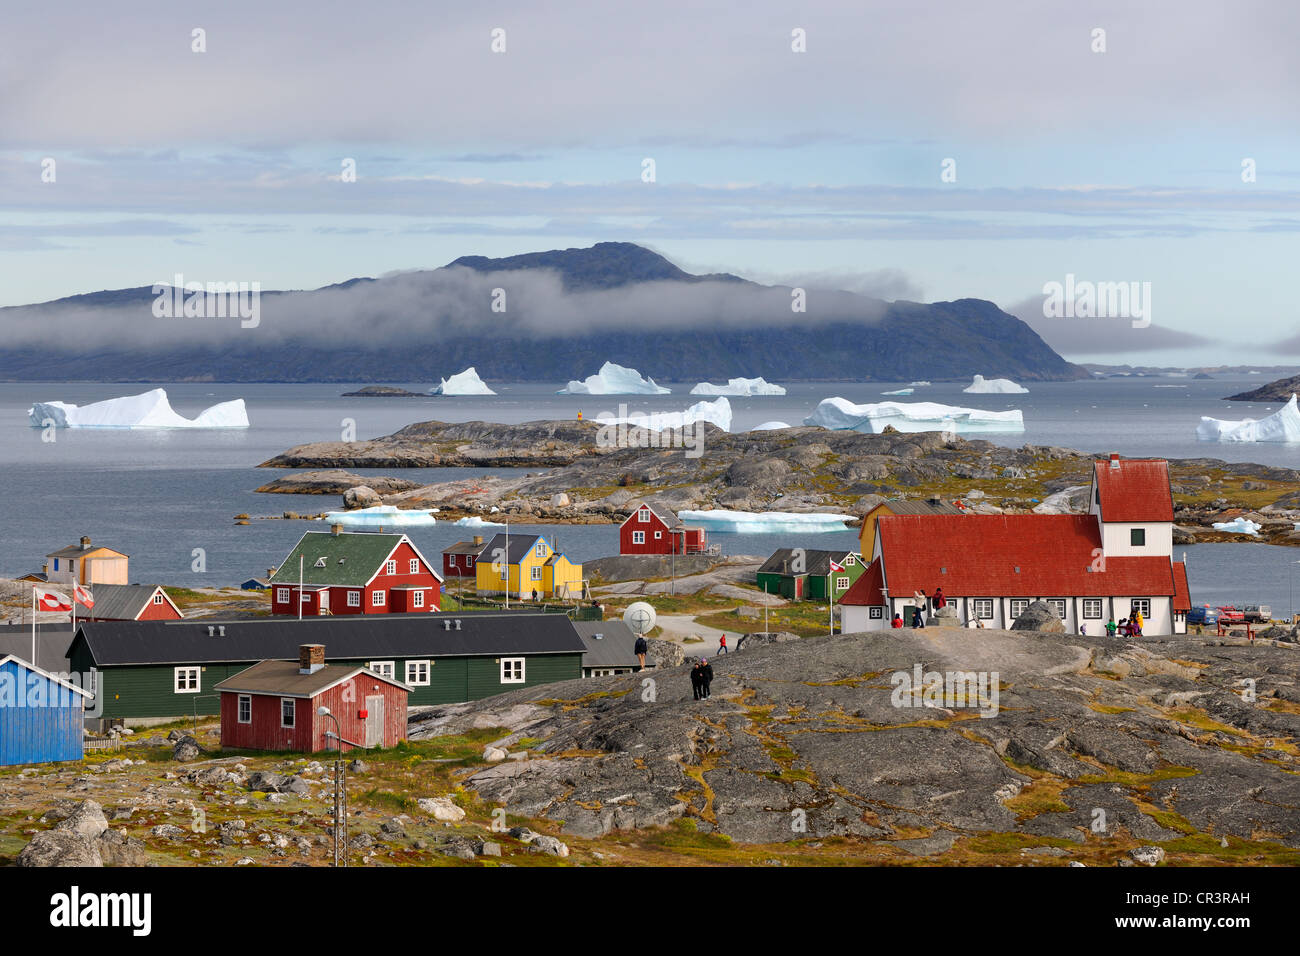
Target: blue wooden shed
point(41, 716)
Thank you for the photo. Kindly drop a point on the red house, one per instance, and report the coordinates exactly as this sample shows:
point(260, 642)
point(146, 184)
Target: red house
point(130, 602)
point(461, 559)
point(653, 529)
point(275, 705)
point(352, 573)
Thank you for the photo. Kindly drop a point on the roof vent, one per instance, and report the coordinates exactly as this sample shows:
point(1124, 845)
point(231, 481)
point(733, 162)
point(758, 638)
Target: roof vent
point(943, 570)
point(458, 624)
point(1017, 569)
point(599, 637)
point(446, 624)
point(212, 631)
point(221, 630)
point(320, 562)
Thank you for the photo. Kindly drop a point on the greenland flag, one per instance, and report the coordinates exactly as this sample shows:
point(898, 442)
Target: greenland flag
point(52, 601)
point(836, 567)
point(83, 596)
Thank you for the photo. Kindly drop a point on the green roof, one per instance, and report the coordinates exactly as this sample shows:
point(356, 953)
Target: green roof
point(350, 560)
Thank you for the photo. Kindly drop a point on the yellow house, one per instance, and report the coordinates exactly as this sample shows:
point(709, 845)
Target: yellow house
point(84, 563)
point(526, 565)
point(897, 506)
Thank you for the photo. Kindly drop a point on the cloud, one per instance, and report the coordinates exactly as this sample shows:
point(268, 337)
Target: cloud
point(1093, 336)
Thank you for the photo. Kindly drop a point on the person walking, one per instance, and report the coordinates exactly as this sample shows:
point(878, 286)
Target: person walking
point(722, 644)
point(706, 676)
point(640, 649)
point(697, 680)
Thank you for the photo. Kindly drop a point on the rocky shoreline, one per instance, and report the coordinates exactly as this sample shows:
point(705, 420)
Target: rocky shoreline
point(583, 478)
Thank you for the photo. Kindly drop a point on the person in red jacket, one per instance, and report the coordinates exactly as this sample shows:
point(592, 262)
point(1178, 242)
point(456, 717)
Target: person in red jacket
point(939, 599)
point(897, 621)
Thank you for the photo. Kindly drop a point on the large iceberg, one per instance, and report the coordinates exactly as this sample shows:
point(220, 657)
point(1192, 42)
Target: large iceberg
point(994, 386)
point(1238, 525)
point(718, 412)
point(463, 383)
point(387, 517)
point(739, 387)
point(614, 380)
point(840, 414)
point(1283, 425)
point(765, 522)
point(146, 410)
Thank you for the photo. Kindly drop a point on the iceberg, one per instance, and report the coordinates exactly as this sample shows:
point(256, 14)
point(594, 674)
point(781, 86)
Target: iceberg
point(898, 391)
point(463, 383)
point(918, 383)
point(765, 522)
point(1238, 526)
point(994, 386)
point(839, 414)
point(474, 521)
point(146, 410)
point(1282, 426)
point(614, 380)
point(739, 387)
point(718, 412)
point(387, 517)
point(770, 426)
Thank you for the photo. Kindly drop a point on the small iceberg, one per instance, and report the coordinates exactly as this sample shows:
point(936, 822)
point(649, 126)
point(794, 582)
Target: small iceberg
point(739, 388)
point(766, 522)
point(614, 380)
point(474, 521)
point(1238, 526)
point(917, 384)
point(463, 383)
point(994, 386)
point(898, 391)
point(718, 412)
point(387, 517)
point(770, 426)
point(1282, 426)
point(146, 410)
point(839, 414)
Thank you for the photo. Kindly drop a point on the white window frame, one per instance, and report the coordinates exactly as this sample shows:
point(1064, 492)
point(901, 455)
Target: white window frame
point(354, 599)
point(638, 537)
point(876, 613)
point(379, 598)
point(292, 713)
point(842, 583)
point(417, 598)
point(157, 598)
point(982, 608)
point(1088, 605)
point(390, 567)
point(539, 549)
point(643, 516)
point(413, 671)
point(658, 535)
point(451, 561)
point(382, 668)
point(183, 675)
point(282, 596)
point(244, 705)
point(414, 565)
point(304, 597)
point(510, 666)
point(1059, 604)
point(1018, 606)
point(1140, 606)
point(535, 574)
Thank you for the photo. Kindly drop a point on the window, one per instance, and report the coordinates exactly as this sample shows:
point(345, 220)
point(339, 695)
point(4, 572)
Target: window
point(378, 598)
point(851, 560)
point(451, 560)
point(187, 680)
point(1059, 605)
point(306, 597)
point(983, 608)
point(643, 516)
point(512, 670)
point(1018, 606)
point(245, 709)
point(638, 537)
point(354, 599)
point(417, 673)
point(288, 710)
point(415, 565)
point(1140, 606)
point(1092, 608)
point(876, 613)
point(539, 549)
point(1137, 537)
point(281, 595)
point(157, 598)
point(390, 567)
point(658, 535)
point(417, 599)
point(842, 583)
point(535, 574)
point(382, 668)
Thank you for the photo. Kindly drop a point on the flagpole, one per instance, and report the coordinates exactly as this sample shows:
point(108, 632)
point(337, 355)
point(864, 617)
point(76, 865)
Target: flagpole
point(300, 587)
point(34, 625)
point(521, 582)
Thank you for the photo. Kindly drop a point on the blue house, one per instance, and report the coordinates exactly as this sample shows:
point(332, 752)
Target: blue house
point(41, 716)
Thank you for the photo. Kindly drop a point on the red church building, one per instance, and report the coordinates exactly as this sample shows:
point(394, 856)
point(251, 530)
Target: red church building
point(653, 529)
point(353, 573)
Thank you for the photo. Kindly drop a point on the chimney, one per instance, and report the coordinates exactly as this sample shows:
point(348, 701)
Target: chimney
point(311, 658)
point(1114, 461)
point(270, 572)
point(336, 529)
point(85, 543)
point(478, 539)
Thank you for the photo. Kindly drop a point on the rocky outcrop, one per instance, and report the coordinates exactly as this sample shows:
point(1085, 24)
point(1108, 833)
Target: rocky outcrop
point(362, 496)
point(334, 481)
point(1278, 391)
point(1039, 616)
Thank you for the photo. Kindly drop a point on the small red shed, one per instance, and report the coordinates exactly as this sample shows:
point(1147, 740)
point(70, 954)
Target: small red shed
point(653, 529)
point(461, 559)
point(275, 705)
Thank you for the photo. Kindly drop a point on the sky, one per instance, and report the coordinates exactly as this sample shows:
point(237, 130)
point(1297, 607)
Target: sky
point(913, 150)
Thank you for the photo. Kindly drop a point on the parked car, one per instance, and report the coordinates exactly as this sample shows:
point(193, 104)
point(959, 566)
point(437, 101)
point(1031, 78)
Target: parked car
point(1257, 613)
point(1204, 615)
point(1231, 615)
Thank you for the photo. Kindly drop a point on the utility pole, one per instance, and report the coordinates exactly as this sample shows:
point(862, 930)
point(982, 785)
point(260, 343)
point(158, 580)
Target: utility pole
point(340, 794)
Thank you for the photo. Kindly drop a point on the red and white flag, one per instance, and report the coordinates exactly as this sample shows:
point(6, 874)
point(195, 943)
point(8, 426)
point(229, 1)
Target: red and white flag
point(836, 567)
point(52, 601)
point(83, 596)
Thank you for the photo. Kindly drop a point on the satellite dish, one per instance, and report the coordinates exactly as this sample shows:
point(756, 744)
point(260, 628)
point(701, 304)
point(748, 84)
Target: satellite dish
point(640, 618)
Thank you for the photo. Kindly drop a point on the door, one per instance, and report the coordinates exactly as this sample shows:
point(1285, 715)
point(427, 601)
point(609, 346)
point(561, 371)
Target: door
point(374, 721)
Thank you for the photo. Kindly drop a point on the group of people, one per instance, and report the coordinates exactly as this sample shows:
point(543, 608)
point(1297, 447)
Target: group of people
point(701, 678)
point(924, 605)
point(1127, 627)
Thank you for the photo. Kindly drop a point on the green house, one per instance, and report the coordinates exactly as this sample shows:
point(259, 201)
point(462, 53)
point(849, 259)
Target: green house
point(170, 669)
point(802, 574)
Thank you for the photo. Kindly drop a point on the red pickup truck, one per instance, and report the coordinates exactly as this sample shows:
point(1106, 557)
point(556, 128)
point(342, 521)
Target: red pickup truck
point(1231, 615)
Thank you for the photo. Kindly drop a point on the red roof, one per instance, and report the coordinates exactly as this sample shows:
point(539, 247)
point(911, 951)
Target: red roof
point(1182, 593)
point(1012, 556)
point(1138, 490)
point(868, 588)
